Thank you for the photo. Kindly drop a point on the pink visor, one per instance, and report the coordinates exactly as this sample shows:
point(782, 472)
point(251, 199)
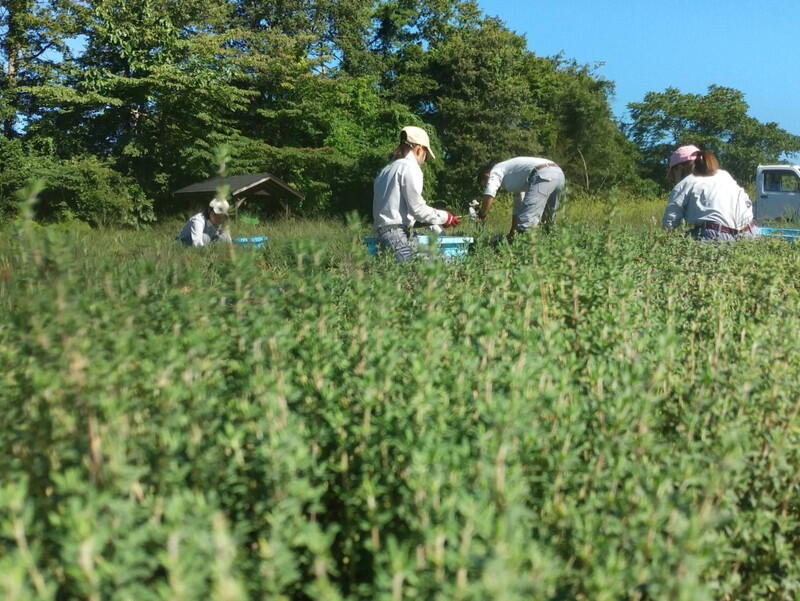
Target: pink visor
point(683, 154)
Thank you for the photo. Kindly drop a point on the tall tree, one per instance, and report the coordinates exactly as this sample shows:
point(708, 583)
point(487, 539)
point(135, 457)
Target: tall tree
point(579, 129)
point(162, 74)
point(490, 98)
point(717, 120)
point(34, 51)
point(473, 90)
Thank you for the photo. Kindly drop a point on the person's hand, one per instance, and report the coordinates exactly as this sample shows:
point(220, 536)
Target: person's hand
point(451, 220)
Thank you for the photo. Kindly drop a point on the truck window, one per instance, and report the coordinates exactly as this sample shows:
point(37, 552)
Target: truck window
point(781, 181)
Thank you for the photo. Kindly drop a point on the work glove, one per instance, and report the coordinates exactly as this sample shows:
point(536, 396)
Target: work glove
point(451, 220)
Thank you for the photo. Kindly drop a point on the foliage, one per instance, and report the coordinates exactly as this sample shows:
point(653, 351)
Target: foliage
point(470, 72)
point(717, 121)
point(16, 165)
point(88, 190)
point(152, 88)
point(601, 413)
point(81, 188)
point(36, 55)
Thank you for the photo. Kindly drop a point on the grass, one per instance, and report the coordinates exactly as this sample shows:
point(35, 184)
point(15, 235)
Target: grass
point(604, 412)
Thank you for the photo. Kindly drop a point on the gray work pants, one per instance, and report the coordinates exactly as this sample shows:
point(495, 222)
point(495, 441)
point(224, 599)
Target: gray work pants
point(540, 203)
point(400, 241)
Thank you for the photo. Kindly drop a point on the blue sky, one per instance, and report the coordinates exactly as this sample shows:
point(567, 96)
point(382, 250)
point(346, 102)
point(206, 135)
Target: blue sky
point(646, 46)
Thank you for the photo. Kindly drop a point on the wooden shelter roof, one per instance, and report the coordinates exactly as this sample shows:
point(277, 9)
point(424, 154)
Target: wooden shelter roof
point(242, 187)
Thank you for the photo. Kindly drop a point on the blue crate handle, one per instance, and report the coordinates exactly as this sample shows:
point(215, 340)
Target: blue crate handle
point(780, 232)
point(450, 246)
point(253, 242)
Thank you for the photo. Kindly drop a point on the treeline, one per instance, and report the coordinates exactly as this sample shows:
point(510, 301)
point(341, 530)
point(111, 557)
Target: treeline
point(113, 105)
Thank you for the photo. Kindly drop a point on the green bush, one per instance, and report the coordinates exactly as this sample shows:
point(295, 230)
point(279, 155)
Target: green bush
point(601, 413)
point(87, 189)
point(332, 182)
point(81, 188)
point(16, 167)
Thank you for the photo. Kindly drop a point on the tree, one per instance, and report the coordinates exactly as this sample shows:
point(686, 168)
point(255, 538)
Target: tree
point(581, 132)
point(464, 82)
point(490, 98)
point(34, 52)
point(161, 77)
point(717, 121)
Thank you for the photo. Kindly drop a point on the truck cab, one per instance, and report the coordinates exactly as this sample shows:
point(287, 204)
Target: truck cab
point(777, 193)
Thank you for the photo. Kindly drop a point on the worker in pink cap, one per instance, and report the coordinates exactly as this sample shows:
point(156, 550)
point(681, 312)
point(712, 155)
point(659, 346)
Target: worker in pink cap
point(706, 197)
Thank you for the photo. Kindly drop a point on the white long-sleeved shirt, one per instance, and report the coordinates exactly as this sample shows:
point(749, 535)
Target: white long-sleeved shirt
point(193, 230)
point(512, 175)
point(709, 199)
point(397, 196)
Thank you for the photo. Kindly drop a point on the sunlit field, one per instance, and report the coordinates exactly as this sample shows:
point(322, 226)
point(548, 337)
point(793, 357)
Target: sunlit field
point(604, 412)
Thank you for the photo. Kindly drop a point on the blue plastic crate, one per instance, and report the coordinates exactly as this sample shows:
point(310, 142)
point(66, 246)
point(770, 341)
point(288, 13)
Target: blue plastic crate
point(450, 247)
point(780, 232)
point(254, 242)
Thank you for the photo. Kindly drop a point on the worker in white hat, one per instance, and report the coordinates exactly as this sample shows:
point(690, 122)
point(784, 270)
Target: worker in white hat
point(397, 202)
point(207, 226)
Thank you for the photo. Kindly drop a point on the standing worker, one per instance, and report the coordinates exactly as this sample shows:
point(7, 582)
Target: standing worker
point(397, 202)
point(706, 197)
point(207, 225)
point(536, 184)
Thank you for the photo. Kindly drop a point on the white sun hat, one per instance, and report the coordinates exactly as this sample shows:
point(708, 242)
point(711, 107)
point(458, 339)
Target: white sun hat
point(219, 206)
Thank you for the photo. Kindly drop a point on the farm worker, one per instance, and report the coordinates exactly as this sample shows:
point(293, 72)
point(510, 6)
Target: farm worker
point(706, 197)
point(536, 184)
point(397, 202)
point(207, 225)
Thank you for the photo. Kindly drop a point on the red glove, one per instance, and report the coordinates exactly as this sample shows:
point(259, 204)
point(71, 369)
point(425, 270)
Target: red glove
point(451, 220)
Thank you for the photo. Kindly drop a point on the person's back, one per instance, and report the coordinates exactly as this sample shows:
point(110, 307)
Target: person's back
point(714, 198)
point(390, 206)
point(706, 197)
point(512, 174)
point(536, 184)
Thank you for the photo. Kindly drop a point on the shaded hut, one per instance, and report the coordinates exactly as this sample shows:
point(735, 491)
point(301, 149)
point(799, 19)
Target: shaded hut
point(260, 193)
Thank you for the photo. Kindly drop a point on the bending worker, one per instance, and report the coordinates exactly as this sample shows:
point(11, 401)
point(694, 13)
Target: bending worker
point(397, 202)
point(706, 197)
point(536, 184)
point(207, 225)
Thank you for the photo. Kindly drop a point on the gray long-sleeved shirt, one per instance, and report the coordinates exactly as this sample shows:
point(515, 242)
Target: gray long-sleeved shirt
point(709, 199)
point(193, 230)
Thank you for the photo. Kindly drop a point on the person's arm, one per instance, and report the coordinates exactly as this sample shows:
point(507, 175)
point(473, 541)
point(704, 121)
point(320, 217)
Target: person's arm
point(493, 184)
point(411, 184)
point(486, 204)
point(675, 209)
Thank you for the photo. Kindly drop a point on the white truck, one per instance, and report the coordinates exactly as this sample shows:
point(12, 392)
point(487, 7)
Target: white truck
point(777, 193)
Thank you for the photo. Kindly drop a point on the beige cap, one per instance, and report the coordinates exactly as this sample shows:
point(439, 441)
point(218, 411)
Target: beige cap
point(417, 135)
point(219, 206)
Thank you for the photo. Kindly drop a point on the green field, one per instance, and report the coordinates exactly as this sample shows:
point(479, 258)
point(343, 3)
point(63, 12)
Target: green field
point(606, 412)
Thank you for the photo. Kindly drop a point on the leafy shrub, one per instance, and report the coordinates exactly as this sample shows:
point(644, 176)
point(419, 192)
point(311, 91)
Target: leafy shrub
point(331, 181)
point(16, 166)
point(601, 413)
point(88, 190)
point(82, 188)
